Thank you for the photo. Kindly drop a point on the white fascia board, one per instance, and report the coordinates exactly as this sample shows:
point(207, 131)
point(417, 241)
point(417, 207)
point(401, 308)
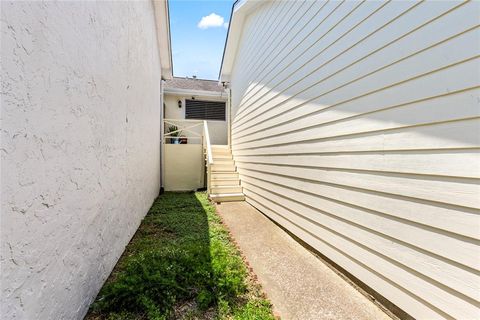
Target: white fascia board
point(162, 21)
point(240, 11)
point(198, 93)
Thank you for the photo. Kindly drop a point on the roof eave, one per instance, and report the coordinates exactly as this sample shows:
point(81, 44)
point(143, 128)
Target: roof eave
point(190, 92)
point(240, 10)
point(162, 21)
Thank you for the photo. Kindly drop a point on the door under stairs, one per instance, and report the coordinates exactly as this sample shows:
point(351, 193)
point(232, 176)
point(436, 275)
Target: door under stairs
point(224, 179)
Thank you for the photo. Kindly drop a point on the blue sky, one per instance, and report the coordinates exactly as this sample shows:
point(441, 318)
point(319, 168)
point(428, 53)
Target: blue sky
point(197, 45)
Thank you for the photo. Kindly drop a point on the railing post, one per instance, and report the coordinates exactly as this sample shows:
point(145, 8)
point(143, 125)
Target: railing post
point(162, 138)
point(229, 116)
point(209, 156)
point(209, 178)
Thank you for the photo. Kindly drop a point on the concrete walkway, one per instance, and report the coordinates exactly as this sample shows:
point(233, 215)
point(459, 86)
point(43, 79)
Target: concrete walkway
point(299, 285)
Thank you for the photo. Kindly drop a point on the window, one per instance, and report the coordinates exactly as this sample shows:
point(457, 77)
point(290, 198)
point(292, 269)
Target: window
point(204, 110)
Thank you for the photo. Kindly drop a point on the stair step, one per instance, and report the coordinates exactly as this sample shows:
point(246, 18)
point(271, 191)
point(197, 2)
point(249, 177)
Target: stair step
point(223, 162)
point(225, 182)
point(225, 156)
point(216, 155)
point(221, 151)
point(227, 197)
point(222, 168)
point(226, 189)
point(220, 146)
point(224, 176)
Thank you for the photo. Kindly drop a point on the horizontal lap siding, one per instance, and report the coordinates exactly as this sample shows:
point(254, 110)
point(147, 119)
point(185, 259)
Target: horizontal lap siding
point(356, 125)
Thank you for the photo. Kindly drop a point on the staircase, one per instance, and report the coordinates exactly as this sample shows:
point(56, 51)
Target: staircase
point(224, 180)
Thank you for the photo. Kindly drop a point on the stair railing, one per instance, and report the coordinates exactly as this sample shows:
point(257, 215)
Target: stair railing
point(183, 126)
point(208, 153)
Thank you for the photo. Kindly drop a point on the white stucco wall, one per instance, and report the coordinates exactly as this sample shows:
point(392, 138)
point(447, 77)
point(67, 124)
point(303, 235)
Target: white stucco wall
point(80, 150)
point(217, 129)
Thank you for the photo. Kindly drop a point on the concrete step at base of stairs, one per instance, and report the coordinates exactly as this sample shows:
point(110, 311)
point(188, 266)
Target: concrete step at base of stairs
point(226, 189)
point(227, 197)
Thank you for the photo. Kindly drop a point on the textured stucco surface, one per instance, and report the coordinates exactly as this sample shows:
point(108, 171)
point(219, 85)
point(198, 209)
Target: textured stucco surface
point(80, 128)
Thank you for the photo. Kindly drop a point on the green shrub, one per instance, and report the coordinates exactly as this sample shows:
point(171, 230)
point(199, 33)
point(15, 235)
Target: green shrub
point(151, 282)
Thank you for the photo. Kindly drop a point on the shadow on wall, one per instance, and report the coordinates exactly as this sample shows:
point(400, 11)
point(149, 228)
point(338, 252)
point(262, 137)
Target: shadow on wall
point(338, 87)
point(282, 117)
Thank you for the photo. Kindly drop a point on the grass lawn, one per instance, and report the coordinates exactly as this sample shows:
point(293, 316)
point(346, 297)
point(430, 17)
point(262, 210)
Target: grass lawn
point(181, 264)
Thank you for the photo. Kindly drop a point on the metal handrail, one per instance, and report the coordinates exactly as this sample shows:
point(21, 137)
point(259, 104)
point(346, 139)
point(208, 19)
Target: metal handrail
point(209, 156)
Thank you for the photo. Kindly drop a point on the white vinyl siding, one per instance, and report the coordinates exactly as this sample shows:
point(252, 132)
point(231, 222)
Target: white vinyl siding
point(356, 126)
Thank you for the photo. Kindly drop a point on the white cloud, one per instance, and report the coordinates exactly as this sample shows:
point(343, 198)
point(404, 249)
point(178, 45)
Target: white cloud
point(213, 20)
point(225, 25)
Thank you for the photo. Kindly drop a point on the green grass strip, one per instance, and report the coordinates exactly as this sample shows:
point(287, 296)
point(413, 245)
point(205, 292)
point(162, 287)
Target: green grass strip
point(181, 264)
